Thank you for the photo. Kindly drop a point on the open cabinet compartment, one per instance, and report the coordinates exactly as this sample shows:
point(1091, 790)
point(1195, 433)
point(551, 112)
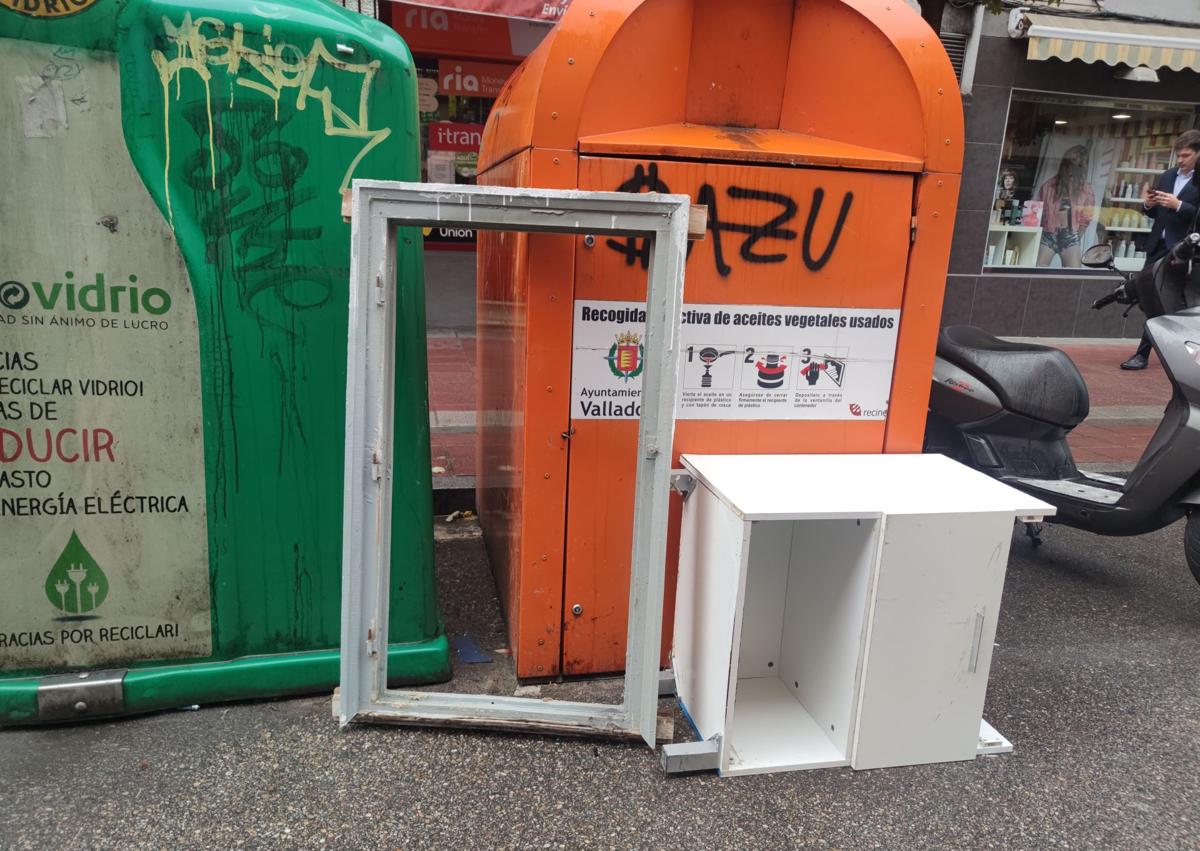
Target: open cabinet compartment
point(798, 644)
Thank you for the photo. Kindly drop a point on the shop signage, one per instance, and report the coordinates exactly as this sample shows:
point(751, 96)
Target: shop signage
point(472, 79)
point(450, 136)
point(447, 32)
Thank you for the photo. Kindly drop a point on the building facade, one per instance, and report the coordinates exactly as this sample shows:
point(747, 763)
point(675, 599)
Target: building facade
point(1058, 145)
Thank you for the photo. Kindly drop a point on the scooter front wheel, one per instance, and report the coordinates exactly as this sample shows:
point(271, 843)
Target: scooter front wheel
point(1191, 544)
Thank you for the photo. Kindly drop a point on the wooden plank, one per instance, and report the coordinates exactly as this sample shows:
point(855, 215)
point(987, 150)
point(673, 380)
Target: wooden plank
point(697, 221)
point(664, 729)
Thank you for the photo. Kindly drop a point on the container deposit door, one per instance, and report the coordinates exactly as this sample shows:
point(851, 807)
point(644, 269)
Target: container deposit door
point(788, 340)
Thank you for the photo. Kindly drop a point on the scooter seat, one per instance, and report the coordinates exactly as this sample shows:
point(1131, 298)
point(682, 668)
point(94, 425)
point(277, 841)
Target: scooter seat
point(1036, 381)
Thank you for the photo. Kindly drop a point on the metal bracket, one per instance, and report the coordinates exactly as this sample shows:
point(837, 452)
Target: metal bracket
point(991, 741)
point(683, 483)
point(686, 757)
point(666, 683)
point(88, 694)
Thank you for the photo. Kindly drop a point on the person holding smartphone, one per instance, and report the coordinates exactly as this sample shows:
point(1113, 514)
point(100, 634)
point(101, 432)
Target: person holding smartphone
point(1172, 203)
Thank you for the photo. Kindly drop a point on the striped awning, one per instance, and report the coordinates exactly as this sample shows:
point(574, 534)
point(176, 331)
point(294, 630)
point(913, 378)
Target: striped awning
point(1112, 42)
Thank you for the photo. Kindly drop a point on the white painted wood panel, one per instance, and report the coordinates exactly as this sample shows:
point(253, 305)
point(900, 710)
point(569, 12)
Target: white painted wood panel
point(936, 600)
point(771, 731)
point(711, 555)
point(766, 597)
point(780, 487)
point(825, 621)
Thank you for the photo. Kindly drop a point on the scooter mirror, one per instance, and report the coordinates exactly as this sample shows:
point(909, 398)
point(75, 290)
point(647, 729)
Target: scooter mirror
point(1099, 256)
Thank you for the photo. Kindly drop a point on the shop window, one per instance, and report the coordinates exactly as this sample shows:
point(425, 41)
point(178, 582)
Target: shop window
point(1071, 176)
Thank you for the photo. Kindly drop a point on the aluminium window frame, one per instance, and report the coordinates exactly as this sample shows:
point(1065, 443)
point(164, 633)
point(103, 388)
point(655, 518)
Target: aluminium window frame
point(377, 209)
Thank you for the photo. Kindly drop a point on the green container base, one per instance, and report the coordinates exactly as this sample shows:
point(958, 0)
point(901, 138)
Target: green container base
point(247, 678)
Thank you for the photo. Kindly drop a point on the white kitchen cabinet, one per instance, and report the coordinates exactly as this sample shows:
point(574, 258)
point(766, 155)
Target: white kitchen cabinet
point(839, 610)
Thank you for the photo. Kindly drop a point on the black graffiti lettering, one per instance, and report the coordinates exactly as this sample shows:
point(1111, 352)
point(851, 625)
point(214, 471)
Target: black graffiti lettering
point(257, 230)
point(707, 196)
point(279, 165)
point(646, 178)
point(256, 240)
point(298, 287)
point(818, 197)
point(199, 168)
point(771, 230)
point(637, 249)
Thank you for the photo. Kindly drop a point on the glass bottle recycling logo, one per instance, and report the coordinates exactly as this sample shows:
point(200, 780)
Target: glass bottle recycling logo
point(76, 585)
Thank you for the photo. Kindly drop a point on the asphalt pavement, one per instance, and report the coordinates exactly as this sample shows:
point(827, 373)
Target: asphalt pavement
point(1094, 680)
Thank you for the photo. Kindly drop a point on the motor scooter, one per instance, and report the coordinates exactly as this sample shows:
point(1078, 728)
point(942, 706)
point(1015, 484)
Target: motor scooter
point(1006, 408)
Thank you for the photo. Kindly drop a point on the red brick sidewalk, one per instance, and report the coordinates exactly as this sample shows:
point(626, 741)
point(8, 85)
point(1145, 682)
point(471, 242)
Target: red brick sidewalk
point(452, 404)
point(1126, 406)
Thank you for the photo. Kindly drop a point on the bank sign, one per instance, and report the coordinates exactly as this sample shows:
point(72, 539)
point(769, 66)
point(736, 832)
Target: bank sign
point(102, 502)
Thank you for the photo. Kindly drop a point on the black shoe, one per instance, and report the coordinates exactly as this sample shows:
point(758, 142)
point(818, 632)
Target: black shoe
point(1138, 361)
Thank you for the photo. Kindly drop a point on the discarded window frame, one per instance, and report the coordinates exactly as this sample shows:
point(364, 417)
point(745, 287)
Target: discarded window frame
point(377, 208)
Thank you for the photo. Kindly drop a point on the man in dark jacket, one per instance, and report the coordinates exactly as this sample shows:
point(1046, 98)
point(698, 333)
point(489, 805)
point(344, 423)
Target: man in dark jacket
point(1172, 202)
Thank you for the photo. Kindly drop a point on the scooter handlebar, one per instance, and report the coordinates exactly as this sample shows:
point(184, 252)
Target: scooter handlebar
point(1123, 294)
point(1185, 250)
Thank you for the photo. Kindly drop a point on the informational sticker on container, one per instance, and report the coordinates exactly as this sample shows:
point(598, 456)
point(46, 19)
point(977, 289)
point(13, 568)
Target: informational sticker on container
point(102, 497)
point(740, 362)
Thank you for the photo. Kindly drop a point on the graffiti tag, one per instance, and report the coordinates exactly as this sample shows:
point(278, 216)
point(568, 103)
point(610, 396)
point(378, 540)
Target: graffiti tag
point(778, 211)
point(204, 44)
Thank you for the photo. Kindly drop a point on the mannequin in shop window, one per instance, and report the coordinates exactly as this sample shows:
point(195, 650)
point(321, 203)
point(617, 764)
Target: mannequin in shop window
point(1069, 205)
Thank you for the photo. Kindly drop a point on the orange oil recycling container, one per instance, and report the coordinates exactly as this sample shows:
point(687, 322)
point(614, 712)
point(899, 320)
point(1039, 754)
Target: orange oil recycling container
point(826, 139)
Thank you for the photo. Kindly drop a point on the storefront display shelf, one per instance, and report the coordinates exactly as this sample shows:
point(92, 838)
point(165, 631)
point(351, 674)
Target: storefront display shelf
point(1023, 240)
point(1128, 230)
point(1139, 171)
point(1120, 200)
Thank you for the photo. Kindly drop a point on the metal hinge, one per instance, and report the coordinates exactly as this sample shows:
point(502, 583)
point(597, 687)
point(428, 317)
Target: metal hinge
point(683, 483)
point(685, 757)
point(88, 694)
point(912, 230)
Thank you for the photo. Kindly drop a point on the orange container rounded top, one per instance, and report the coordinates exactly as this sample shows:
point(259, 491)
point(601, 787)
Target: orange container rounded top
point(836, 83)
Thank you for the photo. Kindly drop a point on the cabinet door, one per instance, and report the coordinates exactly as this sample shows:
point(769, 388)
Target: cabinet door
point(929, 644)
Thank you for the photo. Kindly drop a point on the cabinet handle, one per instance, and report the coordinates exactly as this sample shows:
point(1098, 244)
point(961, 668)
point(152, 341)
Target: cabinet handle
point(976, 640)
